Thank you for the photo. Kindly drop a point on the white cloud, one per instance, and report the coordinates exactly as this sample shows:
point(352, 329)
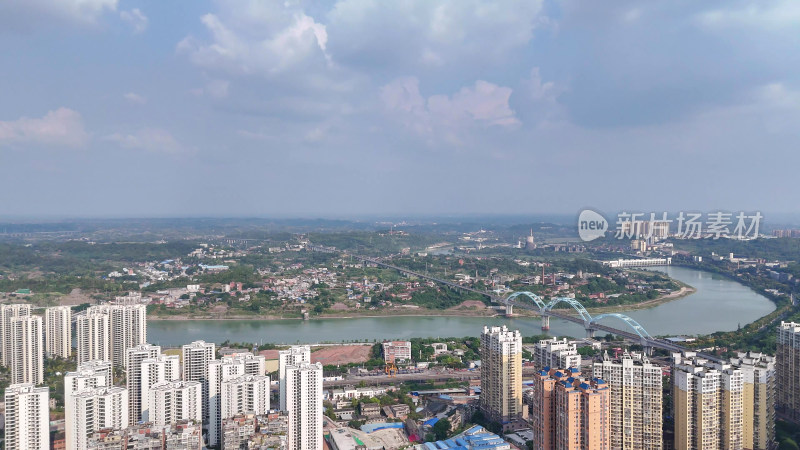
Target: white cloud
point(257, 38)
point(778, 95)
point(485, 102)
point(543, 91)
point(62, 128)
point(79, 11)
point(768, 15)
point(135, 98)
point(149, 139)
point(217, 88)
point(399, 34)
point(136, 19)
point(483, 105)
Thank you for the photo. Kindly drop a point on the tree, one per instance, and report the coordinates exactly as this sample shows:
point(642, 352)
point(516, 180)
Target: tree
point(788, 444)
point(441, 429)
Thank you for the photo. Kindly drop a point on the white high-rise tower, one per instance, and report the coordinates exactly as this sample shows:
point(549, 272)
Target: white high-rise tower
point(90, 375)
point(219, 371)
point(8, 312)
point(159, 370)
point(93, 409)
point(175, 400)
point(125, 327)
point(295, 355)
point(27, 354)
point(501, 374)
point(304, 405)
point(93, 328)
point(133, 363)
point(196, 357)
point(58, 331)
point(27, 417)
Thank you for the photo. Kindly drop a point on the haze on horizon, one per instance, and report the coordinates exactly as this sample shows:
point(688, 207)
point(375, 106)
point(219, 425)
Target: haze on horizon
point(123, 108)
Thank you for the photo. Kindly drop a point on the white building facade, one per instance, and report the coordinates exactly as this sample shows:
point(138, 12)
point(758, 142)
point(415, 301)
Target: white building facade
point(90, 375)
point(133, 364)
point(58, 331)
point(8, 312)
point(175, 400)
point(27, 417)
point(161, 369)
point(94, 409)
point(297, 354)
point(304, 406)
point(27, 354)
point(196, 357)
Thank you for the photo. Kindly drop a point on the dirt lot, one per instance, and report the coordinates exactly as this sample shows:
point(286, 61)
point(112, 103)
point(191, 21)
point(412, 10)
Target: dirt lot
point(76, 297)
point(341, 354)
point(469, 304)
point(335, 354)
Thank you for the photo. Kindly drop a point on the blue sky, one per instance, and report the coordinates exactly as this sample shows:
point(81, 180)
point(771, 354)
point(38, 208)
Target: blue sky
point(354, 107)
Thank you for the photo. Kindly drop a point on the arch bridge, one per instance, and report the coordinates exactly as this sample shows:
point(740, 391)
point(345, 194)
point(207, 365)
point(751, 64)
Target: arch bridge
point(546, 309)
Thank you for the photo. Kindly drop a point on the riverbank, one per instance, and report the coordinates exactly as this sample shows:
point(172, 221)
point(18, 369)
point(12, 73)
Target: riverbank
point(718, 304)
point(471, 311)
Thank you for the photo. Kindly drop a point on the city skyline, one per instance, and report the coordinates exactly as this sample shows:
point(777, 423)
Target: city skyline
point(350, 108)
point(413, 224)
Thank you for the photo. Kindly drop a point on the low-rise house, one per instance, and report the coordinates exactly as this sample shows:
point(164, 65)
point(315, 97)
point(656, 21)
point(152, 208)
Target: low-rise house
point(398, 411)
point(370, 410)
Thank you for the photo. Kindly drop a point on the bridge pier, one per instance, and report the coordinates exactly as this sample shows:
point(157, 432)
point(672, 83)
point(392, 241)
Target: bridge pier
point(545, 323)
point(509, 309)
point(590, 332)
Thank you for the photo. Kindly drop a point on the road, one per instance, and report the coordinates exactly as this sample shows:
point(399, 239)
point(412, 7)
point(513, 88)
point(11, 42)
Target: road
point(427, 376)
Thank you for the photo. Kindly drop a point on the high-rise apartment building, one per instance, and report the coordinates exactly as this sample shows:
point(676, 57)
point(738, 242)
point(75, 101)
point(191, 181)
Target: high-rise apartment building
point(244, 394)
point(295, 355)
point(501, 374)
point(58, 331)
point(304, 406)
point(253, 364)
point(94, 409)
point(88, 376)
point(556, 353)
point(220, 371)
point(787, 371)
point(636, 401)
point(175, 400)
point(161, 369)
point(92, 329)
point(27, 417)
point(102, 370)
point(27, 354)
point(196, 357)
point(570, 413)
point(708, 403)
point(133, 364)
point(8, 312)
point(758, 399)
point(126, 328)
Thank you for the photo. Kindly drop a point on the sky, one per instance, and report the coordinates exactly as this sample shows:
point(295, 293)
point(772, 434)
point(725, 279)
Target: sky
point(125, 108)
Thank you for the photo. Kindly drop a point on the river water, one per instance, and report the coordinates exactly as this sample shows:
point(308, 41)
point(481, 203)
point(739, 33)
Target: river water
point(719, 304)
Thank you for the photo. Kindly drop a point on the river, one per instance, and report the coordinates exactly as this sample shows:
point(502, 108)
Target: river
point(719, 304)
